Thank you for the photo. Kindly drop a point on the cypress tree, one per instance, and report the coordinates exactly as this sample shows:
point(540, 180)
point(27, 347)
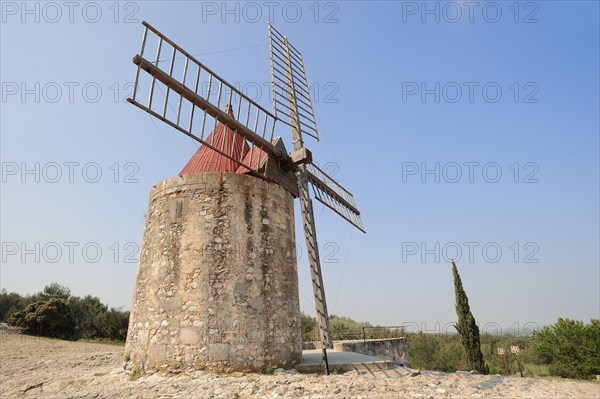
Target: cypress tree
point(466, 326)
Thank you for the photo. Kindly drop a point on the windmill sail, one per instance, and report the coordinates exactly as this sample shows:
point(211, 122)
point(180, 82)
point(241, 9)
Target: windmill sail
point(185, 94)
point(331, 194)
point(285, 58)
point(285, 71)
point(291, 100)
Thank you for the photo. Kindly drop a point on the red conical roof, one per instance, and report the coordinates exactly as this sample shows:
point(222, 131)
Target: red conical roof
point(253, 159)
point(208, 160)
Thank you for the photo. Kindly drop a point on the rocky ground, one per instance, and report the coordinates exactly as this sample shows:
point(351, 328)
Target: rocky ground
point(42, 368)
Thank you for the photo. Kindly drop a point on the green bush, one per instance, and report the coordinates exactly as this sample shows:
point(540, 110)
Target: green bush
point(92, 319)
point(51, 318)
point(267, 369)
point(112, 324)
point(570, 348)
point(10, 303)
point(536, 370)
point(309, 328)
point(445, 353)
point(436, 352)
point(86, 310)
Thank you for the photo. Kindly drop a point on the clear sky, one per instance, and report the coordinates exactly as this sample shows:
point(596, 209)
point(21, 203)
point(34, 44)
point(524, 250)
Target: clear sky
point(466, 130)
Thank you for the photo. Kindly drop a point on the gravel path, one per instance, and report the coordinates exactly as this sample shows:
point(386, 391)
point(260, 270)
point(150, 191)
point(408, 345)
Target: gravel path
point(33, 367)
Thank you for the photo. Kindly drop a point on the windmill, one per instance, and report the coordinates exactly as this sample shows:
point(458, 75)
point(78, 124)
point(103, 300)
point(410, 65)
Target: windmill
point(185, 94)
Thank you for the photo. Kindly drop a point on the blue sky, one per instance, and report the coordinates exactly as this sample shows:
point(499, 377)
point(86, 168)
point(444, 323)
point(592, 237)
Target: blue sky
point(458, 130)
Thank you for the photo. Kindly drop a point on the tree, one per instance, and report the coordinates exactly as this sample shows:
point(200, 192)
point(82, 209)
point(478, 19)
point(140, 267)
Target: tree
point(570, 348)
point(85, 310)
point(54, 312)
point(52, 318)
point(339, 328)
point(10, 303)
point(466, 326)
point(345, 328)
point(308, 327)
point(112, 324)
point(55, 290)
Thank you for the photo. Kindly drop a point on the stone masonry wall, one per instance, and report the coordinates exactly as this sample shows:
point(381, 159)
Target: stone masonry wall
point(217, 283)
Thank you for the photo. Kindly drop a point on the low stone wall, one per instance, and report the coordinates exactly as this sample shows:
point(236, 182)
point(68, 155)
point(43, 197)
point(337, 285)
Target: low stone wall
point(386, 348)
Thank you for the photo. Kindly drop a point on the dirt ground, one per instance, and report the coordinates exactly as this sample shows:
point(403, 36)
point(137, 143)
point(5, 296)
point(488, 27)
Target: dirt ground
point(33, 367)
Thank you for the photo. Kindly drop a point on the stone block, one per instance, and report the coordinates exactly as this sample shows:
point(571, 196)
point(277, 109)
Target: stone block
point(218, 352)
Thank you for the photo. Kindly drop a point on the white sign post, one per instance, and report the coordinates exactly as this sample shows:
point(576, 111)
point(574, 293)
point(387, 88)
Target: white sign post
point(516, 350)
point(501, 352)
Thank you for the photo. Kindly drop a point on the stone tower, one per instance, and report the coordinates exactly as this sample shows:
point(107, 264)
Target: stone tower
point(217, 282)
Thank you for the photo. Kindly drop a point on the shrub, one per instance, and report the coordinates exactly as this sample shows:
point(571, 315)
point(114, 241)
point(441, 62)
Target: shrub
point(92, 319)
point(52, 318)
point(570, 348)
point(10, 303)
point(112, 324)
point(436, 352)
point(86, 310)
point(267, 369)
point(308, 327)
